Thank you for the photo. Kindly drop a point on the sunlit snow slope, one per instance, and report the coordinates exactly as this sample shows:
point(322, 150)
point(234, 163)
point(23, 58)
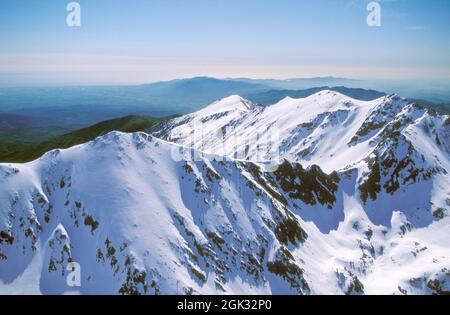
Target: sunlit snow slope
point(327, 128)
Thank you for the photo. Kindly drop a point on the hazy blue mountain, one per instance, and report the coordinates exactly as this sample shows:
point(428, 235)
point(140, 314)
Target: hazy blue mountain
point(302, 83)
point(77, 107)
point(435, 91)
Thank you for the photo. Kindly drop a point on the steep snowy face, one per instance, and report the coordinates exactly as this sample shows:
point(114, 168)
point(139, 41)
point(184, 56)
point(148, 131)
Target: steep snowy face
point(393, 159)
point(138, 215)
point(187, 130)
point(327, 129)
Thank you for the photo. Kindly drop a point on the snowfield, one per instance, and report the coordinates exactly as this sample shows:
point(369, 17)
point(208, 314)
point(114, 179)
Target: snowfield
point(357, 203)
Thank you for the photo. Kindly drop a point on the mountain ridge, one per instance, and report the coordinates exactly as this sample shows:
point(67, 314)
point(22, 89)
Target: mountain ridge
point(303, 127)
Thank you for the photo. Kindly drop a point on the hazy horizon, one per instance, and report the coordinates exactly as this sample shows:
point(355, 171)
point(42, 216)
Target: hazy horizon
point(120, 43)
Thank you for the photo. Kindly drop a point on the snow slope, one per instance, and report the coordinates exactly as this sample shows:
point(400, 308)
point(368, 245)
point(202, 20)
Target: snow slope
point(138, 221)
point(328, 129)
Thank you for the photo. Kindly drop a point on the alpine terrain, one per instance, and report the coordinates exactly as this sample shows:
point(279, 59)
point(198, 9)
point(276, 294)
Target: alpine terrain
point(320, 195)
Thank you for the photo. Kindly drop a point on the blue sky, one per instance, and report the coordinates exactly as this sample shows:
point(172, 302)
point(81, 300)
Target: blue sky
point(140, 41)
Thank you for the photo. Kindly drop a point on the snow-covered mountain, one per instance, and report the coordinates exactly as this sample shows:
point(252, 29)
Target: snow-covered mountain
point(328, 129)
point(358, 202)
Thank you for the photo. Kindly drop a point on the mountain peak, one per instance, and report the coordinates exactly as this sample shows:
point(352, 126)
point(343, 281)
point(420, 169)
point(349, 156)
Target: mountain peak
point(321, 102)
point(327, 93)
point(232, 98)
point(230, 103)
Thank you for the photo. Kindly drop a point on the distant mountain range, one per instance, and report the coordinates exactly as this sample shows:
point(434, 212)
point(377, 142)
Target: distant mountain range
point(157, 99)
point(301, 83)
